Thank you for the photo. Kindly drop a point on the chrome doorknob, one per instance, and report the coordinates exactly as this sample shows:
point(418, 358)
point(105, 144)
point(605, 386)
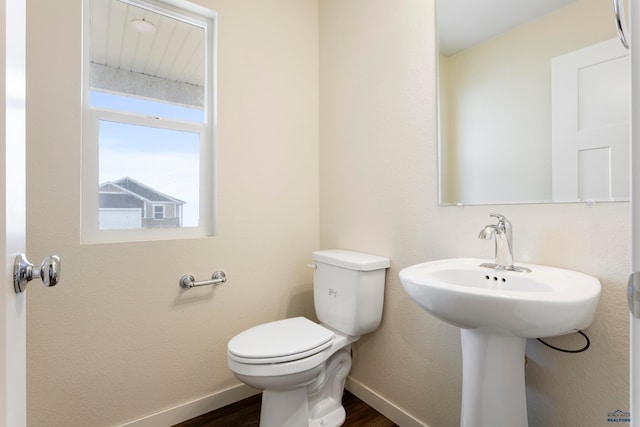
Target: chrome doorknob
point(23, 272)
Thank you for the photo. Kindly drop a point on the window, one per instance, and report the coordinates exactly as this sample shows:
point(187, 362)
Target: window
point(158, 212)
point(148, 117)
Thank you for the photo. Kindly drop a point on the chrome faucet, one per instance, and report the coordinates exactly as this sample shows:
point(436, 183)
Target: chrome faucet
point(503, 234)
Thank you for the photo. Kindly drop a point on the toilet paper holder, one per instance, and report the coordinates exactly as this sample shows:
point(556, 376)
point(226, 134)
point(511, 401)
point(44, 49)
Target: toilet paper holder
point(188, 281)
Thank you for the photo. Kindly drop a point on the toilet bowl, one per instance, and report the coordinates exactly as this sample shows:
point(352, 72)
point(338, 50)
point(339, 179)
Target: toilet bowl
point(301, 371)
point(300, 365)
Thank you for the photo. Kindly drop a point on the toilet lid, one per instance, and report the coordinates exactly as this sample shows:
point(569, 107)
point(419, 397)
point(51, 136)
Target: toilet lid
point(280, 341)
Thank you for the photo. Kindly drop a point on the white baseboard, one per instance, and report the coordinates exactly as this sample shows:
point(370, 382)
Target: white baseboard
point(194, 408)
point(380, 404)
point(197, 407)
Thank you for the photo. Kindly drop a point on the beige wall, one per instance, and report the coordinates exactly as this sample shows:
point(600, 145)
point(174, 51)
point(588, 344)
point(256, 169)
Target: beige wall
point(378, 187)
point(118, 339)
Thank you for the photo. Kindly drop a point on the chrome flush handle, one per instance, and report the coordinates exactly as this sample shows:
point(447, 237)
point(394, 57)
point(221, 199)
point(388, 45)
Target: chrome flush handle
point(23, 272)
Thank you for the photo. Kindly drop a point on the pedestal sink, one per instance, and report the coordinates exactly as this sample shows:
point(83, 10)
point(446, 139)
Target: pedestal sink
point(497, 310)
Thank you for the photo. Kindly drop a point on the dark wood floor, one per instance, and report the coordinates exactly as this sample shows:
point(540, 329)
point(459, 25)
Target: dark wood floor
point(246, 413)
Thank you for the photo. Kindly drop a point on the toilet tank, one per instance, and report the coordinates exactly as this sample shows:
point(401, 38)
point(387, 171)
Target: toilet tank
point(348, 290)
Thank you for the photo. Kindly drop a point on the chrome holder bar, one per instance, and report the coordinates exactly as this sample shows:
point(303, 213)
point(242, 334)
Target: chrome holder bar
point(188, 281)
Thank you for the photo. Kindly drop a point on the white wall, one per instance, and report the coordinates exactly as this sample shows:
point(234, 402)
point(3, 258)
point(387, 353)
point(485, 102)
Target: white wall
point(117, 339)
point(378, 188)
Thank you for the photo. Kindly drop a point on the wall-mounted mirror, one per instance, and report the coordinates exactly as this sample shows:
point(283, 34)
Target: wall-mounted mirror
point(533, 102)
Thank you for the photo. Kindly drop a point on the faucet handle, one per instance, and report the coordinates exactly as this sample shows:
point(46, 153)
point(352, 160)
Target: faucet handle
point(503, 222)
point(499, 216)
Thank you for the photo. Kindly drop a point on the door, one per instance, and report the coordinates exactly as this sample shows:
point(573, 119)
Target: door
point(12, 213)
point(590, 123)
point(634, 364)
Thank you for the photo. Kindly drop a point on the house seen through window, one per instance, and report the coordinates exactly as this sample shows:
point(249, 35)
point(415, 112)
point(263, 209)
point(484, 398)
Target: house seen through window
point(148, 117)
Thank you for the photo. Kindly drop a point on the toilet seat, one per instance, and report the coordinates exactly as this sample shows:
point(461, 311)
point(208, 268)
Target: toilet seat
point(280, 341)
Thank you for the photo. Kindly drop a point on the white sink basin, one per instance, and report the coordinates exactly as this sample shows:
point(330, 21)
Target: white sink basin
point(497, 311)
point(545, 302)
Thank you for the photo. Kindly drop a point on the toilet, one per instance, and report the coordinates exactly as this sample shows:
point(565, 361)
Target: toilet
point(300, 365)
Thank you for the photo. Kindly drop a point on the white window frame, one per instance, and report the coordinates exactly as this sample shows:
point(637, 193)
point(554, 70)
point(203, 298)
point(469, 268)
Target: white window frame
point(163, 212)
point(91, 233)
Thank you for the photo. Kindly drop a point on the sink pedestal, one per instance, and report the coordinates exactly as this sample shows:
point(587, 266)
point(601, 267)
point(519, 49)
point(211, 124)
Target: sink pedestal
point(496, 311)
point(493, 392)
